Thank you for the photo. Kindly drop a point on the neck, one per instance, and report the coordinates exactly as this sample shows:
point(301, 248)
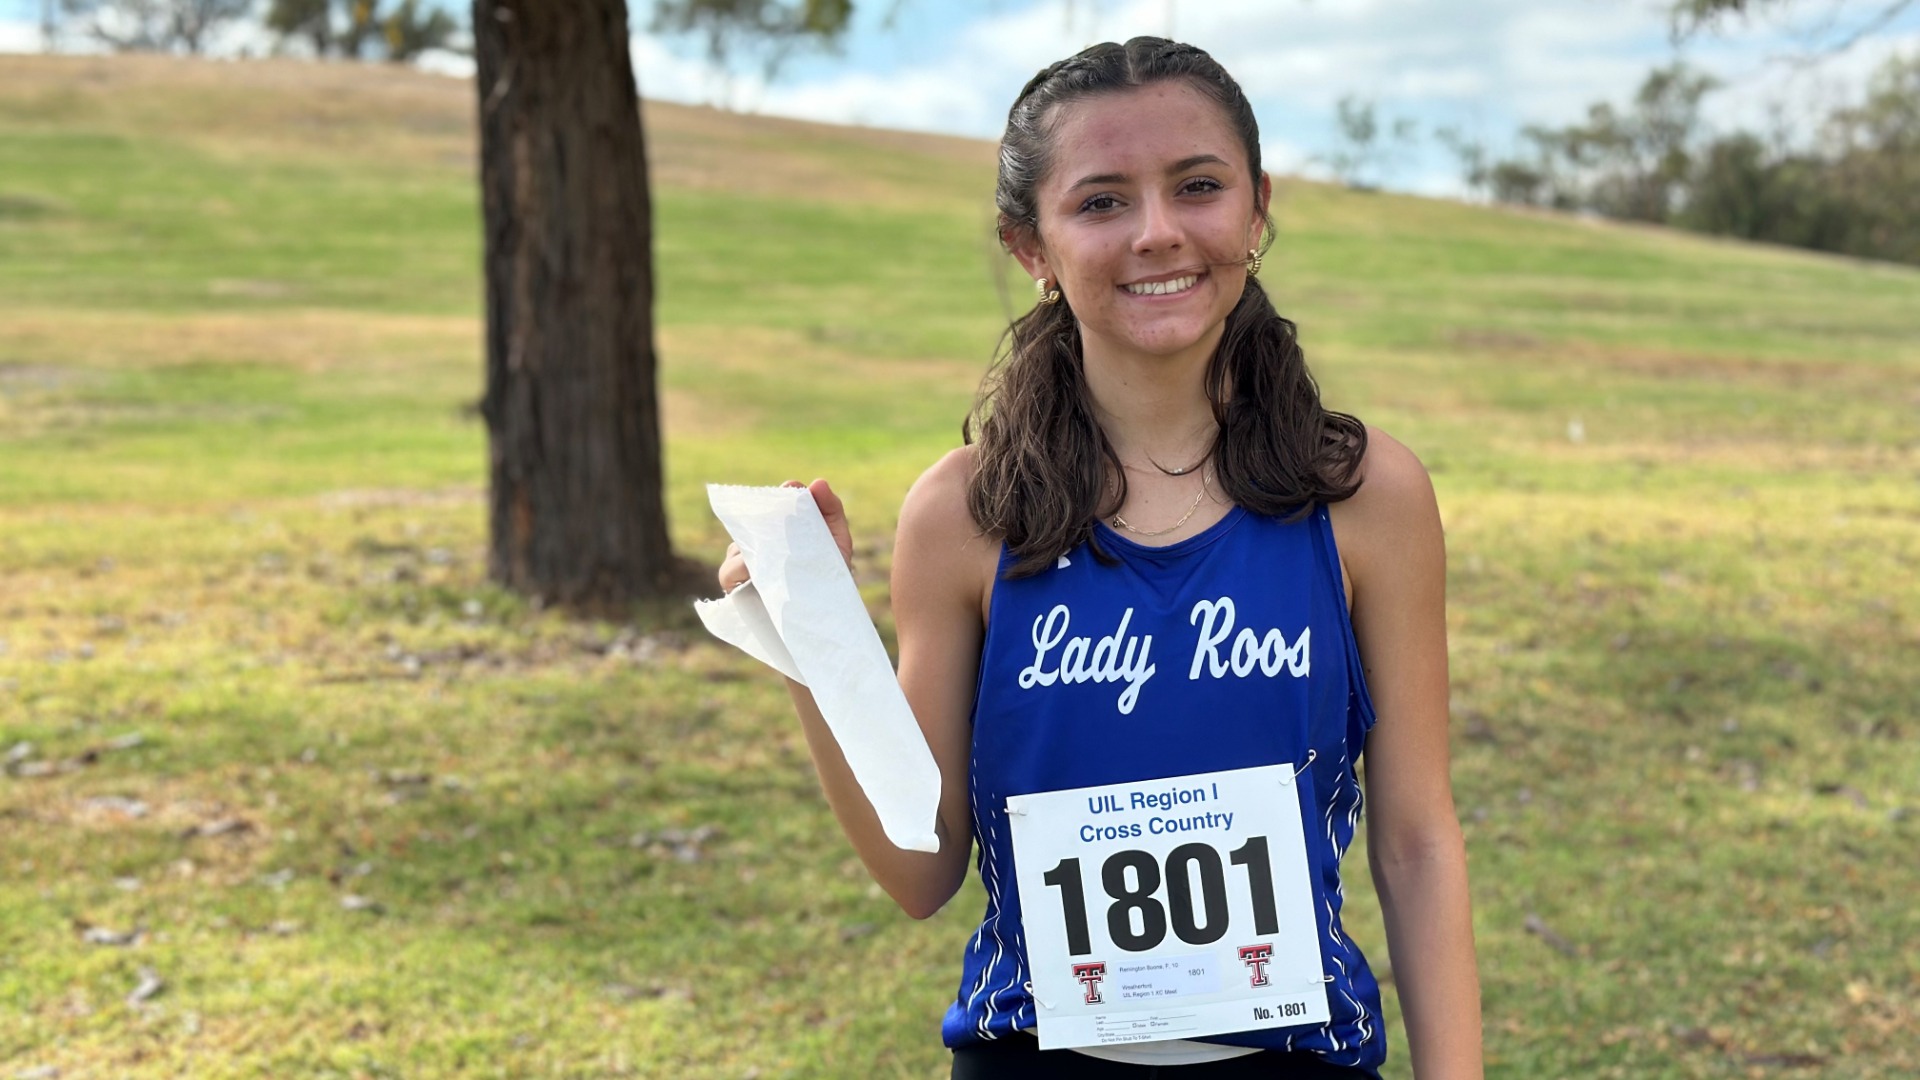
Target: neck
point(1153, 407)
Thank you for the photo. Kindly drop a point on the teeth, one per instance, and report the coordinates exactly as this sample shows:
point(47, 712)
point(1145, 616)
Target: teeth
point(1157, 288)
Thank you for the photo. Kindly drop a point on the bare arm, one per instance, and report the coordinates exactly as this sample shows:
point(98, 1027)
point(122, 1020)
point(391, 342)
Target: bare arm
point(1390, 539)
point(938, 592)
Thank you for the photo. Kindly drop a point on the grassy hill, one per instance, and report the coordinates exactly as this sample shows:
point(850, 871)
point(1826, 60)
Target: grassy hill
point(270, 736)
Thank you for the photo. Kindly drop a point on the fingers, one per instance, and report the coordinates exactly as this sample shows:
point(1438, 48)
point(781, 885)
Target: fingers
point(835, 514)
point(829, 503)
point(733, 570)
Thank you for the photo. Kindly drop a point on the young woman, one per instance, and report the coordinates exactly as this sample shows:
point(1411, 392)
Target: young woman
point(1161, 559)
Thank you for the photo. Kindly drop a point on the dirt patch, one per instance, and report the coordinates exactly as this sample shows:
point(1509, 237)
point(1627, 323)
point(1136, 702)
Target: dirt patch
point(18, 207)
point(398, 498)
point(1488, 339)
point(1669, 364)
point(311, 342)
point(17, 379)
point(1791, 373)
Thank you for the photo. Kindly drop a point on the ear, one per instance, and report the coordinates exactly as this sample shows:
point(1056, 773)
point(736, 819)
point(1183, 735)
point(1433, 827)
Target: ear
point(1261, 200)
point(1026, 248)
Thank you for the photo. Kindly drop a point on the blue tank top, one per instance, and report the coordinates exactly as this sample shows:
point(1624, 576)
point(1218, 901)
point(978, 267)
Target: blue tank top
point(1227, 650)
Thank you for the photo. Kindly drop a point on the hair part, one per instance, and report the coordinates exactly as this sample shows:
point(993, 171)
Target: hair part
point(1041, 458)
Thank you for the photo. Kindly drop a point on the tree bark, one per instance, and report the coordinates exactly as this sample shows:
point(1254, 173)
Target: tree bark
point(572, 411)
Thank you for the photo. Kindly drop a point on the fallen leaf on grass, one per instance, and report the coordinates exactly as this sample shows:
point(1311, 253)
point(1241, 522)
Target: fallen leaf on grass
point(681, 845)
point(100, 935)
point(1847, 791)
point(1698, 1036)
point(651, 991)
point(222, 827)
point(1538, 927)
point(1786, 1061)
point(150, 984)
point(116, 804)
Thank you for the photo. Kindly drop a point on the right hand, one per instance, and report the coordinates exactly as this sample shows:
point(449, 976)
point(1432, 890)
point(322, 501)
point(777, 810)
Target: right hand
point(733, 570)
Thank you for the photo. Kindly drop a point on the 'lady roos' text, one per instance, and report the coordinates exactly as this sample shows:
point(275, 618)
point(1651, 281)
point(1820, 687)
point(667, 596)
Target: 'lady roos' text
point(1121, 657)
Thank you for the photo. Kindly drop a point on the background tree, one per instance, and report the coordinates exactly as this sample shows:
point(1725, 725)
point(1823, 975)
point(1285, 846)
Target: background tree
point(354, 28)
point(1874, 148)
point(311, 20)
point(1847, 189)
point(1365, 149)
point(413, 28)
point(154, 25)
point(577, 514)
point(1628, 163)
point(1691, 16)
point(1472, 155)
point(768, 29)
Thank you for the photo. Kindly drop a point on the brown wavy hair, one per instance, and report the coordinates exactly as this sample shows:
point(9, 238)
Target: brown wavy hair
point(1040, 456)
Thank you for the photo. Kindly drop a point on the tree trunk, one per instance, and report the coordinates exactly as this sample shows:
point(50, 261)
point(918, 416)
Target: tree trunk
point(577, 516)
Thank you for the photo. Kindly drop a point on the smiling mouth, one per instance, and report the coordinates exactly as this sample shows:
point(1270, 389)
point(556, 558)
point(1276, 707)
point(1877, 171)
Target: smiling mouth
point(1163, 288)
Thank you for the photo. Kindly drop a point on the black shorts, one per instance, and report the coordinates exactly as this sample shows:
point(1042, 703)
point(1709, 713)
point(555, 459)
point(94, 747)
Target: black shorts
point(1018, 1057)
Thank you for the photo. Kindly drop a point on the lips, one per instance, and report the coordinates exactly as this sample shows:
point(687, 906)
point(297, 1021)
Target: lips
point(1163, 288)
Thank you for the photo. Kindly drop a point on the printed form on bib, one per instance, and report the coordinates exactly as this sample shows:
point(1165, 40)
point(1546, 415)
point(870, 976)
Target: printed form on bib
point(1168, 909)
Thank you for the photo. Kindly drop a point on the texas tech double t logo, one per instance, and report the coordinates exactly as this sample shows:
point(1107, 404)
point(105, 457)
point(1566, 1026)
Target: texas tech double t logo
point(1090, 976)
point(1256, 957)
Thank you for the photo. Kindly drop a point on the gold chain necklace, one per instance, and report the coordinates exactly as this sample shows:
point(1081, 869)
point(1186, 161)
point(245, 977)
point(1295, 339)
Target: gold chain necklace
point(1121, 523)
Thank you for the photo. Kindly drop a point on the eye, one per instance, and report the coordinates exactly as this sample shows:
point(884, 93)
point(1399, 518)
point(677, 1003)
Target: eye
point(1099, 203)
point(1202, 185)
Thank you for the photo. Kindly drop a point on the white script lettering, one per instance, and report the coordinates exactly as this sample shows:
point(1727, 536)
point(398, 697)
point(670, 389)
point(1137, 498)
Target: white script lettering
point(1268, 653)
point(1118, 657)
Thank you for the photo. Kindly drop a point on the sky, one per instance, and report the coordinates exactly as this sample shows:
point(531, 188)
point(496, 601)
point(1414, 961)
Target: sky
point(1484, 67)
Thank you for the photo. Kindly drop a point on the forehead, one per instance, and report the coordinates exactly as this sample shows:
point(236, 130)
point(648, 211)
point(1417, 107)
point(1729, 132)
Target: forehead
point(1138, 132)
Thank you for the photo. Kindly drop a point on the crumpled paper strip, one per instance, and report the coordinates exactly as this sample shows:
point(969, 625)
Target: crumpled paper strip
point(802, 615)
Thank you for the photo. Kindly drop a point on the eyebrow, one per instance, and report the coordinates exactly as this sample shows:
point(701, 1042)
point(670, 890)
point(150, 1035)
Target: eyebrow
point(1177, 167)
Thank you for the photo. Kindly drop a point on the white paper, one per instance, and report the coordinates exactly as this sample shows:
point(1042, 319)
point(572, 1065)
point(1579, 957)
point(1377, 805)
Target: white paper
point(802, 615)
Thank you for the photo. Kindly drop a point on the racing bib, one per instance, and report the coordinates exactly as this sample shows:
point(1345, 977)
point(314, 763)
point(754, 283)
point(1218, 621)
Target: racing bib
point(1168, 909)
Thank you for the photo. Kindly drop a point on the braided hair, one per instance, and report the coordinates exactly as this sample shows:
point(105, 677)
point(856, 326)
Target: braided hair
point(1041, 459)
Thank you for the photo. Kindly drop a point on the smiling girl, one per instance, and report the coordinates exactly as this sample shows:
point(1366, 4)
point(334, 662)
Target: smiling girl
point(1162, 572)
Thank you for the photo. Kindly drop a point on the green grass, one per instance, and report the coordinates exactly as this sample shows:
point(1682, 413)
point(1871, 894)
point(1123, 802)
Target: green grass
point(242, 519)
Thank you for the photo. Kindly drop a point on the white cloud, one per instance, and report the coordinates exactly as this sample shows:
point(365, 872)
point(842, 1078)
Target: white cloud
point(18, 36)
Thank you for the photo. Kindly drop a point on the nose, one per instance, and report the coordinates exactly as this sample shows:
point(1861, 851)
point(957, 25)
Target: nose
point(1159, 227)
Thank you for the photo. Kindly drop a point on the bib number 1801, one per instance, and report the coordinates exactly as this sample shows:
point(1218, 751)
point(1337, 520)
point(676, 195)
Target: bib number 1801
point(1201, 923)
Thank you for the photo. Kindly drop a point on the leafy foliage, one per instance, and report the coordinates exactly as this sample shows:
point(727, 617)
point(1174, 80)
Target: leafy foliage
point(350, 28)
point(1692, 16)
point(154, 25)
point(1849, 191)
point(1367, 143)
point(769, 29)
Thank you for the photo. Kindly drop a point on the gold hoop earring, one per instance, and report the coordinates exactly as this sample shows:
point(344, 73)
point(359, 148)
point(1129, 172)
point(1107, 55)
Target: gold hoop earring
point(1253, 260)
point(1047, 296)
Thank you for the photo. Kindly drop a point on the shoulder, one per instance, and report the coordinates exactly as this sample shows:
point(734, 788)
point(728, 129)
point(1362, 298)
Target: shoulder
point(939, 497)
point(939, 546)
point(936, 504)
point(1394, 506)
point(1393, 482)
